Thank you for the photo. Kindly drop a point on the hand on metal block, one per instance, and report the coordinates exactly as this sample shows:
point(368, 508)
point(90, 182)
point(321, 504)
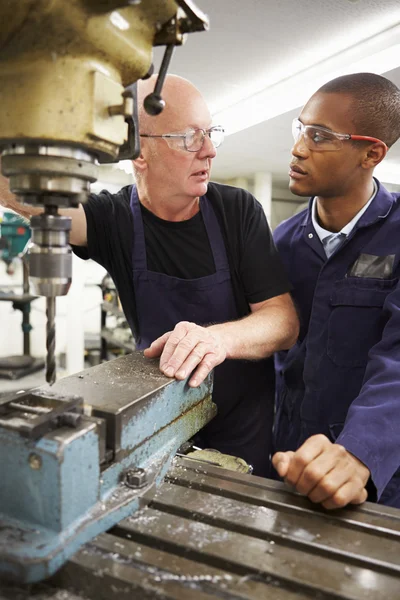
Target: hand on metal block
point(189, 347)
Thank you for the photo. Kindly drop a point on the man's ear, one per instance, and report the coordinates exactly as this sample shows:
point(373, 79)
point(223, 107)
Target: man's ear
point(374, 155)
point(140, 163)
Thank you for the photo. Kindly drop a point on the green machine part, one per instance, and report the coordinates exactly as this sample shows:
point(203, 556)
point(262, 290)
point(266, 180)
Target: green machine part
point(14, 235)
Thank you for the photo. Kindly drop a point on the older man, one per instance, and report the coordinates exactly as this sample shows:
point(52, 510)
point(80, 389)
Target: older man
point(196, 270)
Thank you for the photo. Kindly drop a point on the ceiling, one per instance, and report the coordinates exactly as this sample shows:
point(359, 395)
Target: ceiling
point(253, 44)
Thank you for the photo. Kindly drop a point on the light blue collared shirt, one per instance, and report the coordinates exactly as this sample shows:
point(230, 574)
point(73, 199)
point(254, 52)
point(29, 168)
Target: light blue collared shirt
point(347, 229)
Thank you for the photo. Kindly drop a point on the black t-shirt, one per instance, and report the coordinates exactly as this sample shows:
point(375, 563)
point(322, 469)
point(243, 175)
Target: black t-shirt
point(182, 249)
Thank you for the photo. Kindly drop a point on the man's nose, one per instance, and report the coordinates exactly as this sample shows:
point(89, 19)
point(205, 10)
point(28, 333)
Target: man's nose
point(299, 148)
point(208, 150)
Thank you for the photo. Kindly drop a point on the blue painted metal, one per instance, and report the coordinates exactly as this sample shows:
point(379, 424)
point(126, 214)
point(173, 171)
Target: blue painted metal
point(55, 495)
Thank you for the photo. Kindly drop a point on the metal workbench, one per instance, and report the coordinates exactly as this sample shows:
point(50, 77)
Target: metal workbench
point(212, 533)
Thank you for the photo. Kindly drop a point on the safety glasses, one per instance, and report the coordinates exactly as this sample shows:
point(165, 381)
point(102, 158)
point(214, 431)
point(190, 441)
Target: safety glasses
point(321, 139)
point(192, 140)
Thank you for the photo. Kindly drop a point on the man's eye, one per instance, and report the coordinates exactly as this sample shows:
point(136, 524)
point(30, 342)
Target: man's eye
point(190, 137)
point(318, 137)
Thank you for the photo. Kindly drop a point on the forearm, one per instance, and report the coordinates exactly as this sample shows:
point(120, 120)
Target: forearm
point(9, 200)
point(190, 348)
point(376, 446)
point(78, 235)
point(265, 331)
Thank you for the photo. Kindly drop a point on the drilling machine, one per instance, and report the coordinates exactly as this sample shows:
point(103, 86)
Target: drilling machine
point(68, 73)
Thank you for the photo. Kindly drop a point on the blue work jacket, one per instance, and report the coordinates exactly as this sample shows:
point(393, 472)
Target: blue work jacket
point(342, 378)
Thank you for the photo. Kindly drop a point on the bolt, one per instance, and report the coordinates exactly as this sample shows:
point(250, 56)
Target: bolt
point(35, 461)
point(135, 478)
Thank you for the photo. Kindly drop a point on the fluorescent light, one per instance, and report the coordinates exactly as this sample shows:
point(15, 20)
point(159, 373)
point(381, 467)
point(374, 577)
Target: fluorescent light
point(378, 54)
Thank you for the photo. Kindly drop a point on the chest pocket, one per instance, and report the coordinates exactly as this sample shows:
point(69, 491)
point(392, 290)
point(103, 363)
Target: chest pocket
point(357, 318)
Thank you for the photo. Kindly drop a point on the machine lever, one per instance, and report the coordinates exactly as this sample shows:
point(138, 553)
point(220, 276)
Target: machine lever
point(153, 103)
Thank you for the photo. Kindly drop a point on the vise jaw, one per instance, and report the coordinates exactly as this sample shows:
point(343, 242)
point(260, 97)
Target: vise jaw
point(80, 456)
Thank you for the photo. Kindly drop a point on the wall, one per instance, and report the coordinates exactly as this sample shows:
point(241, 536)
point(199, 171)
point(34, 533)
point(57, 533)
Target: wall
point(284, 204)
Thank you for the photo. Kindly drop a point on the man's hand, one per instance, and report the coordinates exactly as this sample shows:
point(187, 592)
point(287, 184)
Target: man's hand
point(325, 472)
point(272, 325)
point(186, 347)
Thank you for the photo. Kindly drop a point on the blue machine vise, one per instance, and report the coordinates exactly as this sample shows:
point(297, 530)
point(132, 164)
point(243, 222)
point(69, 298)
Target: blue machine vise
point(81, 456)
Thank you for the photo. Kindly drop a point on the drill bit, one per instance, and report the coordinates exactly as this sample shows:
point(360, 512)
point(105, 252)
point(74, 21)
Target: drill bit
point(50, 339)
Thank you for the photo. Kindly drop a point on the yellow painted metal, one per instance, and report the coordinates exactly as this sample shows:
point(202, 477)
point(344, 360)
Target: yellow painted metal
point(63, 63)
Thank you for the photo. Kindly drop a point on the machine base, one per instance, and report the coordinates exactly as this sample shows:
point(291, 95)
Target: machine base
point(211, 533)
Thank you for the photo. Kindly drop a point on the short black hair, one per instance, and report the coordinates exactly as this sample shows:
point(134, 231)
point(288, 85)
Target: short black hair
point(376, 104)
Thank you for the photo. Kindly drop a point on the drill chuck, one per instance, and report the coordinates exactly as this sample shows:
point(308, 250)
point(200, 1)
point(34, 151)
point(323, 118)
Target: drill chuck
point(50, 257)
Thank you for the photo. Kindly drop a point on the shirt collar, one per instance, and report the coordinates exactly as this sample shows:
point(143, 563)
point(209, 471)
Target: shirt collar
point(347, 229)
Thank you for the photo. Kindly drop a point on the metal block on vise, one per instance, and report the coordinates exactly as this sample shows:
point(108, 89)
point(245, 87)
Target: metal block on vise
point(69, 474)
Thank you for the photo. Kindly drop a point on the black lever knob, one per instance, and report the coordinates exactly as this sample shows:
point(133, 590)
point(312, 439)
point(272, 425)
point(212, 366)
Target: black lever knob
point(154, 104)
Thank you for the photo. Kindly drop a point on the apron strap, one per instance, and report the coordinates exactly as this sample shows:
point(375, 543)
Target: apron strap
point(215, 236)
point(139, 259)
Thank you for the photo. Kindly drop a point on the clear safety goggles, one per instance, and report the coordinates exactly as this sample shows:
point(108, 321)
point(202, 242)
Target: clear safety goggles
point(321, 139)
point(192, 140)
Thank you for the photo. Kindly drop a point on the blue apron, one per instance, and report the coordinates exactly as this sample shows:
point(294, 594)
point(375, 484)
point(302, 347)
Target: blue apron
point(243, 390)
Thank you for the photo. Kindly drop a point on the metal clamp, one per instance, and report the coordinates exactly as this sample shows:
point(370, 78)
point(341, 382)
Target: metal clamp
point(33, 415)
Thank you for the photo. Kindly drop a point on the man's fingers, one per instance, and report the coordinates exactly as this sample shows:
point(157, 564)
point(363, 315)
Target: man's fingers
point(196, 356)
point(186, 347)
point(308, 452)
point(327, 486)
point(360, 497)
point(209, 361)
point(325, 474)
point(178, 347)
point(156, 348)
point(281, 462)
point(182, 341)
point(351, 492)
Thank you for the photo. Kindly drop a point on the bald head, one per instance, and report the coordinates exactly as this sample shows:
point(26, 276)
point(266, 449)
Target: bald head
point(178, 94)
